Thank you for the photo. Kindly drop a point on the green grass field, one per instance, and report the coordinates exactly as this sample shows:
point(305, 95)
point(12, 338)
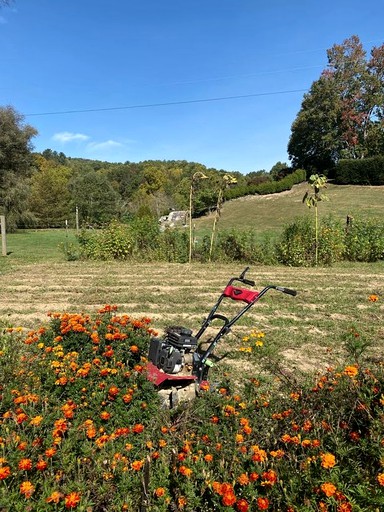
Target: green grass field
point(270, 213)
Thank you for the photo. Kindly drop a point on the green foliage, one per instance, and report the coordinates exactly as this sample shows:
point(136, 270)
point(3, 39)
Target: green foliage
point(267, 187)
point(16, 166)
point(367, 171)
point(364, 240)
point(296, 246)
point(340, 116)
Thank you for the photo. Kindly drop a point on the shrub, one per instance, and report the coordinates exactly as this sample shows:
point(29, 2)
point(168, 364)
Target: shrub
point(366, 171)
point(296, 246)
point(364, 241)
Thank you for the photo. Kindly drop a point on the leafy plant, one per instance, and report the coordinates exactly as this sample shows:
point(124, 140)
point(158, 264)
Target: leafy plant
point(317, 182)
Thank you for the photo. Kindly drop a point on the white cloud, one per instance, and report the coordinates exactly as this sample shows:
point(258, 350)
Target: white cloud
point(69, 137)
point(108, 144)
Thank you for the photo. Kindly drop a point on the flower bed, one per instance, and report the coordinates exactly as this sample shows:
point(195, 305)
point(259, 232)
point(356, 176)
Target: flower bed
point(82, 428)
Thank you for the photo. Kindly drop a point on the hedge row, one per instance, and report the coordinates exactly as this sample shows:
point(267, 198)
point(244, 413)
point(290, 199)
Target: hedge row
point(367, 171)
point(267, 187)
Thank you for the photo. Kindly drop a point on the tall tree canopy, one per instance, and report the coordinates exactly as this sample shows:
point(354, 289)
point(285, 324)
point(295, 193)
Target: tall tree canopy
point(16, 165)
point(342, 116)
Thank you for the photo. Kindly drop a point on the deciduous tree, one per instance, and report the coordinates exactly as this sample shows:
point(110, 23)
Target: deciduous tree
point(342, 115)
point(16, 166)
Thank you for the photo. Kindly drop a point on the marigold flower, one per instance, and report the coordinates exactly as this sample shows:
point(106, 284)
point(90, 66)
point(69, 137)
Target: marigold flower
point(27, 488)
point(55, 497)
point(258, 454)
point(137, 465)
point(50, 452)
point(228, 499)
point(327, 460)
point(159, 492)
point(373, 298)
point(138, 428)
point(351, 371)
point(328, 489)
point(208, 457)
point(5, 472)
point(35, 422)
point(262, 503)
point(380, 478)
point(72, 500)
point(243, 479)
point(182, 501)
point(41, 465)
point(105, 415)
point(25, 464)
point(185, 471)
point(242, 505)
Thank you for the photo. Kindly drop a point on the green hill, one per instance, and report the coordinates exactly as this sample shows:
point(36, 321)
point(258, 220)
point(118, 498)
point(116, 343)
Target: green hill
point(271, 212)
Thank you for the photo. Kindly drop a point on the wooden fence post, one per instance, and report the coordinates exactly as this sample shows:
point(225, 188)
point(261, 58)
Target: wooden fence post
point(3, 237)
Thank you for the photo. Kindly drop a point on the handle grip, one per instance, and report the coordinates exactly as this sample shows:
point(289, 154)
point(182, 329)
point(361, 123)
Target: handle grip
point(248, 282)
point(286, 290)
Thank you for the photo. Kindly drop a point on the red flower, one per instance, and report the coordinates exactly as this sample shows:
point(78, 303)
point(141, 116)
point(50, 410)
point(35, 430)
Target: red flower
point(242, 505)
point(228, 499)
point(262, 503)
point(72, 500)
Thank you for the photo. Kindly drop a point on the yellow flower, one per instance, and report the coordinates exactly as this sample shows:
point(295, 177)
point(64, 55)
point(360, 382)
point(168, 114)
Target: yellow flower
point(327, 460)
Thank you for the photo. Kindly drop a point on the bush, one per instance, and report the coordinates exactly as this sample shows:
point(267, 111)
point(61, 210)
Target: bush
point(366, 171)
point(296, 246)
point(364, 241)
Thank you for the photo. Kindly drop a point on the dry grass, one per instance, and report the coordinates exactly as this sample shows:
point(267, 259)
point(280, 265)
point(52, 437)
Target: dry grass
point(307, 329)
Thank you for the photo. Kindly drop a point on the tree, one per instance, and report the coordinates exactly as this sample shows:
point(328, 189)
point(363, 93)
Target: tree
point(16, 166)
point(92, 192)
point(50, 197)
point(342, 115)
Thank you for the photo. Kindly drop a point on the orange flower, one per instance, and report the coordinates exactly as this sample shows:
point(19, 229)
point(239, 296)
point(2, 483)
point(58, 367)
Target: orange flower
point(138, 428)
point(270, 477)
point(35, 422)
point(41, 465)
point(137, 465)
point(243, 479)
point(258, 454)
point(208, 457)
point(327, 460)
point(262, 503)
point(242, 505)
point(72, 500)
point(181, 501)
point(328, 489)
point(185, 471)
point(27, 488)
point(351, 371)
point(159, 492)
point(228, 499)
point(55, 497)
point(113, 391)
point(5, 472)
point(25, 464)
point(373, 298)
point(105, 415)
point(134, 349)
point(50, 452)
point(380, 478)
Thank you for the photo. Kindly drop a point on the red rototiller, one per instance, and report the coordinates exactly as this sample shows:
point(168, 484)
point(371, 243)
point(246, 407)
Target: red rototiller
point(176, 362)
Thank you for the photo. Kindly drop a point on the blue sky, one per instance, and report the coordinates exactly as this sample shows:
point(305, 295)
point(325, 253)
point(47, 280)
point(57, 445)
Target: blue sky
point(217, 82)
